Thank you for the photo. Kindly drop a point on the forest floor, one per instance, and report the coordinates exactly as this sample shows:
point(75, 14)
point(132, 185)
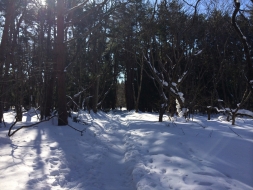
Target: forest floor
point(123, 150)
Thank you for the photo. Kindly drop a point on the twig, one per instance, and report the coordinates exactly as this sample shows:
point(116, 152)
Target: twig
point(4, 122)
point(35, 111)
point(81, 131)
point(234, 132)
point(174, 123)
point(199, 124)
point(182, 130)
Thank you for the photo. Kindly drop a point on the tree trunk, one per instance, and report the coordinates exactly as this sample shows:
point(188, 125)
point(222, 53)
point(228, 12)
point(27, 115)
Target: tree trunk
point(129, 94)
point(50, 61)
point(139, 88)
point(129, 74)
point(233, 118)
point(209, 113)
point(161, 112)
point(43, 83)
point(95, 90)
point(19, 115)
point(3, 51)
point(62, 103)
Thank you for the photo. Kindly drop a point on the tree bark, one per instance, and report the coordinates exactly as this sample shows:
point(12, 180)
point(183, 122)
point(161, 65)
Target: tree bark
point(60, 62)
point(161, 112)
point(209, 113)
point(51, 62)
point(139, 87)
point(95, 91)
point(4, 49)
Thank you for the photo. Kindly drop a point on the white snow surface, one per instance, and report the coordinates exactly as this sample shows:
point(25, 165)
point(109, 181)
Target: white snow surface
point(124, 150)
point(245, 112)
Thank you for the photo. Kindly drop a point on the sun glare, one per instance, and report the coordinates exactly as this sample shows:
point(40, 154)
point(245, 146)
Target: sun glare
point(43, 2)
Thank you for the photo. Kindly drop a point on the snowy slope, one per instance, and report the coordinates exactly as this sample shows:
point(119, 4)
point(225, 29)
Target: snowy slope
point(126, 151)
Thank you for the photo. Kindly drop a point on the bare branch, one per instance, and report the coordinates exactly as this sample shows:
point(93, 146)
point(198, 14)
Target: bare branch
point(235, 132)
point(25, 126)
point(244, 42)
point(76, 7)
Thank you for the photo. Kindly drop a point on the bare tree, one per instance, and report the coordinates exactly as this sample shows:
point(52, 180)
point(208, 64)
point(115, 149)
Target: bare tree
point(249, 75)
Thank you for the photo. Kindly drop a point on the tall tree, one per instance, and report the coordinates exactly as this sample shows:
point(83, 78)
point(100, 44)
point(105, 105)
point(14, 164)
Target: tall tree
point(4, 48)
point(60, 62)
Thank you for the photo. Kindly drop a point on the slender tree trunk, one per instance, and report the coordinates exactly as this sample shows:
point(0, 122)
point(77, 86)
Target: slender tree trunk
point(164, 103)
point(19, 92)
point(95, 88)
point(139, 88)
point(50, 61)
point(129, 94)
point(233, 118)
point(114, 89)
point(61, 88)
point(40, 53)
point(209, 113)
point(95, 95)
point(161, 112)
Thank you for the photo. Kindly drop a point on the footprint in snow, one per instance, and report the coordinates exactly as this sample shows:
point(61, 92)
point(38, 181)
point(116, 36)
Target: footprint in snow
point(53, 162)
point(36, 180)
point(54, 173)
point(38, 165)
point(62, 166)
point(53, 146)
point(168, 161)
point(184, 178)
point(163, 171)
point(191, 150)
point(169, 155)
point(205, 183)
point(54, 159)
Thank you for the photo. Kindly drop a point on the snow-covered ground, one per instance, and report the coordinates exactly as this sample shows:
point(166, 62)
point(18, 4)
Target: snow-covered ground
point(124, 151)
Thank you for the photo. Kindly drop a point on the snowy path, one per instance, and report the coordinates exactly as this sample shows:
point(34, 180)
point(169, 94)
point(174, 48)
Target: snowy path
point(53, 157)
point(114, 170)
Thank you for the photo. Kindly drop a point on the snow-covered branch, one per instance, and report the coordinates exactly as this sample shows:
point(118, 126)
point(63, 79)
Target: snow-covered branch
point(198, 52)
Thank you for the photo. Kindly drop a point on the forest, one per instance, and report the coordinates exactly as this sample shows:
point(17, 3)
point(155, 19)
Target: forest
point(161, 56)
point(126, 94)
